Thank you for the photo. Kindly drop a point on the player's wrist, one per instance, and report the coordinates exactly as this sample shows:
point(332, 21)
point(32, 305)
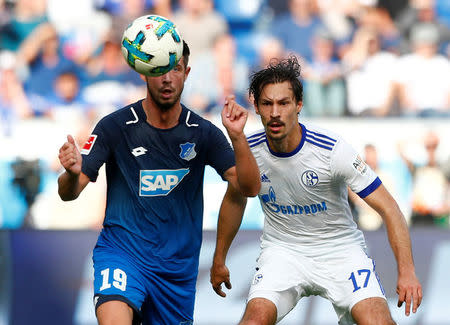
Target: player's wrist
point(219, 260)
point(237, 137)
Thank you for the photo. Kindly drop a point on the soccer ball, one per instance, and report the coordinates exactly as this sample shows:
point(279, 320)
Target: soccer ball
point(152, 45)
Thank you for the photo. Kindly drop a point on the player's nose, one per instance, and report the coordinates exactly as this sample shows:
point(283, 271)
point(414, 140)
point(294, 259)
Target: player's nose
point(167, 77)
point(275, 111)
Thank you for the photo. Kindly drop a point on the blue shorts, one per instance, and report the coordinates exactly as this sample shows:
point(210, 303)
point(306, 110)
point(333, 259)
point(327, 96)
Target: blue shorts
point(155, 298)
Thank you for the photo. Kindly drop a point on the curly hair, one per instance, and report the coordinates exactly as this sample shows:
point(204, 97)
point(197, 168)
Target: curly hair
point(277, 71)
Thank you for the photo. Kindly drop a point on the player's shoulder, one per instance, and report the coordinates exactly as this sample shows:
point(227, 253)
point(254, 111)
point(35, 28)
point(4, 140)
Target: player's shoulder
point(256, 139)
point(191, 119)
point(320, 138)
point(130, 114)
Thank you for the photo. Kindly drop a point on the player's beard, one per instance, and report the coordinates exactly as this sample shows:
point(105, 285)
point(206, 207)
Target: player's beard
point(165, 105)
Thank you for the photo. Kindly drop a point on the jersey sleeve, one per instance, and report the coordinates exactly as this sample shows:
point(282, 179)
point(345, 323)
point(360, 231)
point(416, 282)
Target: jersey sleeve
point(220, 155)
point(96, 151)
point(347, 164)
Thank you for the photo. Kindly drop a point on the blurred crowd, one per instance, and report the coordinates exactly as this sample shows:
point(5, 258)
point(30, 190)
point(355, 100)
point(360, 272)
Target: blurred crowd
point(61, 69)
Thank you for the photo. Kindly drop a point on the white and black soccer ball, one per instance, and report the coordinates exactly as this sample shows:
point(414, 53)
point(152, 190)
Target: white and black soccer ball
point(152, 45)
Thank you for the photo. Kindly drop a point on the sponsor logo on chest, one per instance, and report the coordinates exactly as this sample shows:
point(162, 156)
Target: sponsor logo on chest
point(160, 182)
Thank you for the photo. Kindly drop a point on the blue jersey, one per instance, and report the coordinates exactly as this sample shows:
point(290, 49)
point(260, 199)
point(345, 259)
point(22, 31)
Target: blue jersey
point(155, 176)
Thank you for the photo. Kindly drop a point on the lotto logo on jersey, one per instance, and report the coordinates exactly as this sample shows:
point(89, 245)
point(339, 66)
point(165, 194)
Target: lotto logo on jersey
point(160, 182)
point(89, 144)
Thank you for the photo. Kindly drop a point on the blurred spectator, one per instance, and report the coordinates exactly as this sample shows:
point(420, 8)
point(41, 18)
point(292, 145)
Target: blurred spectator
point(81, 27)
point(26, 16)
point(379, 20)
point(199, 24)
point(296, 28)
point(339, 16)
point(325, 92)
point(368, 218)
point(112, 83)
point(421, 11)
point(123, 12)
point(270, 48)
point(369, 75)
point(67, 107)
point(46, 62)
point(214, 75)
point(109, 65)
point(14, 105)
point(394, 8)
point(431, 197)
point(424, 76)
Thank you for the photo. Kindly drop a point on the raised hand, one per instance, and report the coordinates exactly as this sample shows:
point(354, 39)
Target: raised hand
point(70, 157)
point(234, 117)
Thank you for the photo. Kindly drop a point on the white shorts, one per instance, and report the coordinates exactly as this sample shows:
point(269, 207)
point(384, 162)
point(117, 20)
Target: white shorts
point(284, 276)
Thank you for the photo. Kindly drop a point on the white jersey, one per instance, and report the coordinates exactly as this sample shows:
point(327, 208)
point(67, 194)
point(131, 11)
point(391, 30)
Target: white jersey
point(304, 193)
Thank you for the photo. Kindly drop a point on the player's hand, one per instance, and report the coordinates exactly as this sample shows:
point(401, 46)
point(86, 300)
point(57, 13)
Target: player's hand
point(220, 274)
point(70, 157)
point(409, 290)
point(234, 117)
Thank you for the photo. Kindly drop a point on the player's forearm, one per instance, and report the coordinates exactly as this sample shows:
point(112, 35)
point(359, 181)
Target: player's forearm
point(397, 229)
point(69, 186)
point(246, 168)
point(399, 239)
point(230, 218)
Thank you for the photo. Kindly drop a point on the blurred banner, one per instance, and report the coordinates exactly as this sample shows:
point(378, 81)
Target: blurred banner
point(46, 278)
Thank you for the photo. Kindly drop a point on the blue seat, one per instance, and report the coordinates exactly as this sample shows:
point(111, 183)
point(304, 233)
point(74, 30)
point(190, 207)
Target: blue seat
point(248, 44)
point(240, 14)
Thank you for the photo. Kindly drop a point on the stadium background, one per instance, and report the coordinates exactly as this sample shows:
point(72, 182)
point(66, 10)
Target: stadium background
point(61, 70)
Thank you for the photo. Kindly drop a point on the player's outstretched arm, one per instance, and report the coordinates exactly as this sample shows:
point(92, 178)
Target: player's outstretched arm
point(246, 176)
point(409, 289)
point(230, 218)
point(72, 181)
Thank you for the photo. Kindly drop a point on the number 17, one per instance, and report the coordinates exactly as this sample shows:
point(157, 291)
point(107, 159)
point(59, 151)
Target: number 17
point(353, 278)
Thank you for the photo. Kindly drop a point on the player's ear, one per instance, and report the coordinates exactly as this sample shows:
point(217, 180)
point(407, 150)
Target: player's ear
point(255, 105)
point(186, 72)
point(299, 106)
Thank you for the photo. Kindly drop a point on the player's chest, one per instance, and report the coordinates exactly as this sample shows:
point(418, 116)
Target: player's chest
point(294, 178)
point(149, 149)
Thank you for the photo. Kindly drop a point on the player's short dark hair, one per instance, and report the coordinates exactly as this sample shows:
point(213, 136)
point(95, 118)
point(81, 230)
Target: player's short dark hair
point(186, 53)
point(277, 71)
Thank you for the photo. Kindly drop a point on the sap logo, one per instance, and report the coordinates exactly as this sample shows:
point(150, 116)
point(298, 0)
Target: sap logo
point(160, 182)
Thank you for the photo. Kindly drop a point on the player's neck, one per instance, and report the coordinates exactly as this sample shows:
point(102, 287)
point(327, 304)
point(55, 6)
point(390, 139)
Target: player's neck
point(162, 118)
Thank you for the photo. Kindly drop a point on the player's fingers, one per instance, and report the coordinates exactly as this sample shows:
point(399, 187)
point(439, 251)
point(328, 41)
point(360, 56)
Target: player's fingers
point(401, 297)
point(417, 299)
point(70, 139)
point(229, 98)
point(408, 302)
point(68, 160)
point(65, 146)
point(228, 284)
point(218, 290)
